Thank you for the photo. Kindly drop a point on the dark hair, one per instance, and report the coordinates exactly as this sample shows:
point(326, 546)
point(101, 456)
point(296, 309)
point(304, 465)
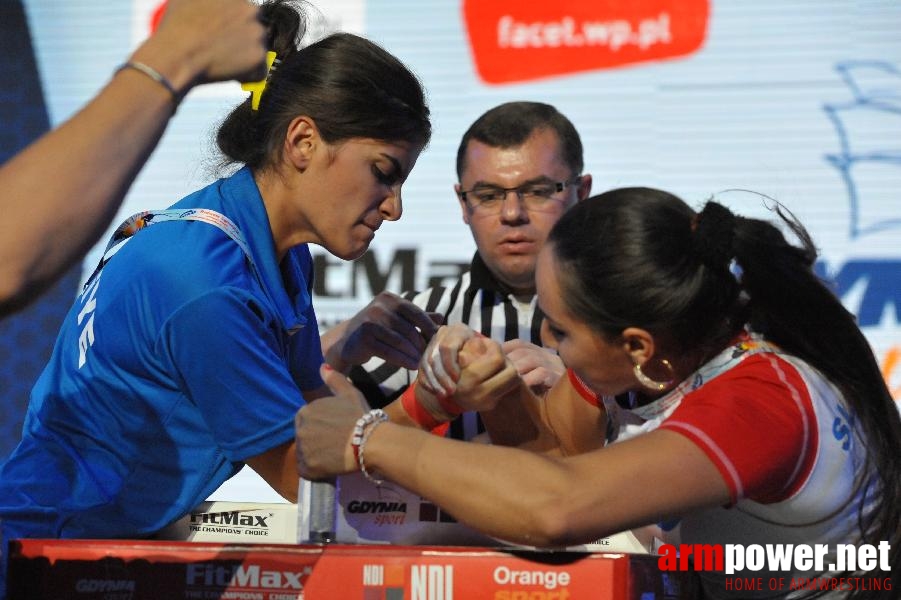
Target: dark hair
point(642, 257)
point(510, 124)
point(350, 86)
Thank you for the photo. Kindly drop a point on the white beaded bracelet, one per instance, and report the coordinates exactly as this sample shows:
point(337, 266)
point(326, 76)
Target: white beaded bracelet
point(363, 428)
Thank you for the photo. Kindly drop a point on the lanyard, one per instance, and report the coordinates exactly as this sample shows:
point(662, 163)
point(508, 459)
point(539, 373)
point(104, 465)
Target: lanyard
point(747, 346)
point(146, 218)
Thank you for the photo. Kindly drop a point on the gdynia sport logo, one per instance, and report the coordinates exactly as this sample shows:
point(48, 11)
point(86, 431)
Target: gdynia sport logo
point(805, 566)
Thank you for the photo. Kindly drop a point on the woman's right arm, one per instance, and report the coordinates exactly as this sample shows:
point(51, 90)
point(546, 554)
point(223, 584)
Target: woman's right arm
point(533, 499)
point(513, 494)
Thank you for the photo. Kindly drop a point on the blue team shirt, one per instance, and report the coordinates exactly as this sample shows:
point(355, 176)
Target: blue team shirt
point(176, 364)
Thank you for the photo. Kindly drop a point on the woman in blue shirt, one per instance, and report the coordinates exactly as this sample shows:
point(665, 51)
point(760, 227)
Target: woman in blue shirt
point(190, 350)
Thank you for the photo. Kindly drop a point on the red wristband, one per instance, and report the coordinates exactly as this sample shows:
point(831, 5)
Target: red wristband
point(414, 409)
point(450, 407)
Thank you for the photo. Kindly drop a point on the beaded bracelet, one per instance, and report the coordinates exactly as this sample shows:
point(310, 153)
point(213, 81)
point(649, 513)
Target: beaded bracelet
point(363, 428)
point(154, 75)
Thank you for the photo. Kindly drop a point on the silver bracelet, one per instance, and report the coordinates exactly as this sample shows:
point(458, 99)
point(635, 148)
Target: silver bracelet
point(154, 75)
point(363, 428)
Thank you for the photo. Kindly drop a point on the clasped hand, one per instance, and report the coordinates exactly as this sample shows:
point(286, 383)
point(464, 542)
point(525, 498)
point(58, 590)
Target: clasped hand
point(539, 367)
point(467, 368)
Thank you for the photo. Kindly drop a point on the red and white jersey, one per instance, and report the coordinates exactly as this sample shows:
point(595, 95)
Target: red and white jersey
point(785, 443)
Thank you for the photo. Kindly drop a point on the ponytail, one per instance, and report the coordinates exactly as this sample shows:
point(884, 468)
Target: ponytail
point(241, 137)
point(794, 308)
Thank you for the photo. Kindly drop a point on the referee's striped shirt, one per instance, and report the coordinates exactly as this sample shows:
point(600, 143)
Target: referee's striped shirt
point(478, 300)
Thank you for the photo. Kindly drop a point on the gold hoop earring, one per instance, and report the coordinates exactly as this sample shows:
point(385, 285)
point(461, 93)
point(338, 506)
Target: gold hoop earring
point(657, 386)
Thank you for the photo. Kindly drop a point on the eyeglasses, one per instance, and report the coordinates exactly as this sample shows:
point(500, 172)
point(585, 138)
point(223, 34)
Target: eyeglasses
point(536, 196)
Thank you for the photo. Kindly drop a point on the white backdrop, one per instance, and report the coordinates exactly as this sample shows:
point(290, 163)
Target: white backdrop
point(799, 100)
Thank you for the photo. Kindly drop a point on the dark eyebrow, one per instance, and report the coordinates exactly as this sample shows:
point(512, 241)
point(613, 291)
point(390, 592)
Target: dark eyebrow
point(534, 180)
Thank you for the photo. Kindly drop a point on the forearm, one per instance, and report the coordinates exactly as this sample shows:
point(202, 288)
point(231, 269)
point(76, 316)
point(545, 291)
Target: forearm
point(539, 500)
point(278, 468)
point(67, 186)
point(62, 192)
point(399, 415)
point(504, 492)
point(511, 493)
point(560, 423)
point(517, 421)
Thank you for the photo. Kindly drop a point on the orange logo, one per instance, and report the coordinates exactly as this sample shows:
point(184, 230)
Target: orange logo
point(519, 41)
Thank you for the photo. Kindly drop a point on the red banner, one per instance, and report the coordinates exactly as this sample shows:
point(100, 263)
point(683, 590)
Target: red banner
point(370, 573)
point(520, 41)
point(149, 570)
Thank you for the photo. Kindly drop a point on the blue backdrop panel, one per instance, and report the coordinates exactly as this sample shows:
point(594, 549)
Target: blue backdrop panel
point(27, 337)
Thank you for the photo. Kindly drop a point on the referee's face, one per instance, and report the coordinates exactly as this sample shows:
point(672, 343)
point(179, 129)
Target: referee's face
point(509, 232)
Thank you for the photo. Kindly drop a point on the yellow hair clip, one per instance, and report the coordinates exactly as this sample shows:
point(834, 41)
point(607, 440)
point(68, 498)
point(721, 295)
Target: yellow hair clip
point(256, 88)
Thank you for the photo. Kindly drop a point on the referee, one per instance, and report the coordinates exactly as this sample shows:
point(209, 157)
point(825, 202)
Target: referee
point(519, 168)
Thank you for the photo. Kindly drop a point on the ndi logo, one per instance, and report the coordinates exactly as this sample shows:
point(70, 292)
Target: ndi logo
point(426, 582)
point(432, 582)
point(373, 574)
point(383, 581)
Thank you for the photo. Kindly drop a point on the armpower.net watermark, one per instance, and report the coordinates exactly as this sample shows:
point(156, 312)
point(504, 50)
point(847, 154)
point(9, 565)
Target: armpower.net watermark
point(829, 567)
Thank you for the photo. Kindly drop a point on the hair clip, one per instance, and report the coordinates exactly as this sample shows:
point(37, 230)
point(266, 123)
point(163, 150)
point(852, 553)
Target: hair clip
point(256, 88)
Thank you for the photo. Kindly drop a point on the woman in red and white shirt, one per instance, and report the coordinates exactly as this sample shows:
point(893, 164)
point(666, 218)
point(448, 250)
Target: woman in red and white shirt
point(749, 406)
